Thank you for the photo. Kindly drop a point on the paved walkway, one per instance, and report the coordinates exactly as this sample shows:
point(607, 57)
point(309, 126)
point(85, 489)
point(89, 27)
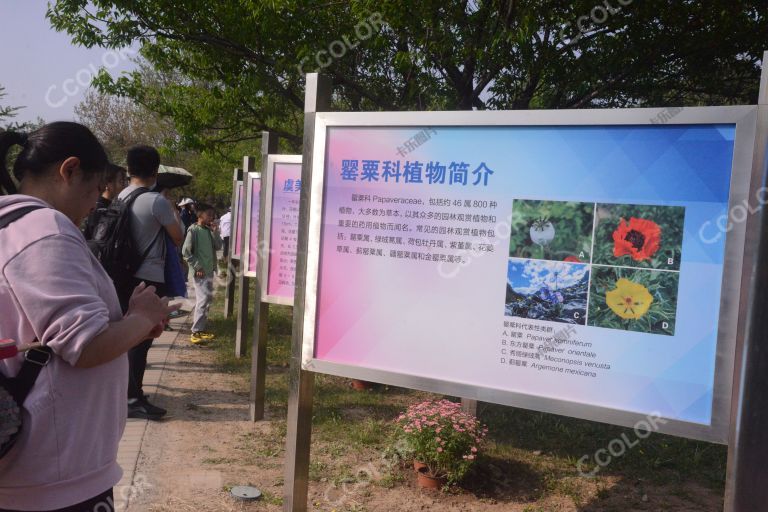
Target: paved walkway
point(130, 444)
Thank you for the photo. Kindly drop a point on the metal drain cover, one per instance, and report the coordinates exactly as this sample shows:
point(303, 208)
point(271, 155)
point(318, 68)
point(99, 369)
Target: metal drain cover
point(245, 492)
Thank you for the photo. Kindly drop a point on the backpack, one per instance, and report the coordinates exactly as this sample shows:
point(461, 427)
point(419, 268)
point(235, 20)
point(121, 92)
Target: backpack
point(13, 391)
point(112, 242)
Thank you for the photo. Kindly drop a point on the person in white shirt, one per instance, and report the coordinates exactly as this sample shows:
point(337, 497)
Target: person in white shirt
point(225, 228)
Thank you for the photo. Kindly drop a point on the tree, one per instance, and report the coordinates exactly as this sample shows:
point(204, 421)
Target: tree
point(7, 113)
point(119, 124)
point(240, 65)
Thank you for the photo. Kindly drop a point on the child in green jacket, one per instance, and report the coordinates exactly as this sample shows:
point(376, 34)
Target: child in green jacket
point(199, 251)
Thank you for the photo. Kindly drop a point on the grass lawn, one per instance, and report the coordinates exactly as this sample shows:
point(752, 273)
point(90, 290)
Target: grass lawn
point(529, 456)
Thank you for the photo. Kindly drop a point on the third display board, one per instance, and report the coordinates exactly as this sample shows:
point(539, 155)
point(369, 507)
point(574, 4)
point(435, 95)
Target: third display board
point(251, 215)
point(237, 218)
point(563, 263)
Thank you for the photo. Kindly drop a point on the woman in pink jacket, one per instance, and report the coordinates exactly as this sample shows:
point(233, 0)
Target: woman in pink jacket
point(53, 290)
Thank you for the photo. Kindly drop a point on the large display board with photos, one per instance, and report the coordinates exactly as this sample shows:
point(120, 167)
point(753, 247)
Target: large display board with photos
point(570, 262)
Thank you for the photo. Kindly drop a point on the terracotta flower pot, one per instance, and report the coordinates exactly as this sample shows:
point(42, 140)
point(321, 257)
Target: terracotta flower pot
point(361, 385)
point(417, 465)
point(428, 482)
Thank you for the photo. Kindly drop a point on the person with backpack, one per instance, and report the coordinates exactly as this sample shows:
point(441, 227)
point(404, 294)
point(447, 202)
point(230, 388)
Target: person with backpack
point(150, 217)
point(200, 246)
point(56, 297)
point(115, 179)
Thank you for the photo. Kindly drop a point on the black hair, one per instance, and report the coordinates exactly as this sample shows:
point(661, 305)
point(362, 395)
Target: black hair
point(52, 143)
point(202, 207)
point(143, 161)
point(113, 171)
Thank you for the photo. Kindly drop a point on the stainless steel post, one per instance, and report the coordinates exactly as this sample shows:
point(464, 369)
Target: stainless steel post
point(298, 439)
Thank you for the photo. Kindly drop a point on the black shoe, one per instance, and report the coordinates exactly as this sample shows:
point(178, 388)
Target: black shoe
point(153, 409)
point(138, 410)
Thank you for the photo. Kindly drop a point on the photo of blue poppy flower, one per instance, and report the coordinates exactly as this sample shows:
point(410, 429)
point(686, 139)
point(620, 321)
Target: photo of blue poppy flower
point(547, 290)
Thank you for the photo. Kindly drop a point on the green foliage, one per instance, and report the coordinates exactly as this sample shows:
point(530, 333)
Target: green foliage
point(660, 318)
point(572, 224)
point(6, 112)
point(670, 220)
point(212, 171)
point(232, 69)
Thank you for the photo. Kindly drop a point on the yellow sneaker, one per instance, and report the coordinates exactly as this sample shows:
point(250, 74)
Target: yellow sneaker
point(206, 335)
point(197, 338)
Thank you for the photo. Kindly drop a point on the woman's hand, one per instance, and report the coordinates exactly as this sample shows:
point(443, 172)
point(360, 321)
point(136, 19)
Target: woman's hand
point(146, 304)
point(158, 329)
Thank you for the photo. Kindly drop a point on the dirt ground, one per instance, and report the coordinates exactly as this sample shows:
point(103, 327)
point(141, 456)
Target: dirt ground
point(206, 445)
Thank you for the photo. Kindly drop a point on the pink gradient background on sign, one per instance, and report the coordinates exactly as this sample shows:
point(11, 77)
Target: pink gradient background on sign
point(253, 238)
point(345, 313)
point(240, 220)
point(281, 202)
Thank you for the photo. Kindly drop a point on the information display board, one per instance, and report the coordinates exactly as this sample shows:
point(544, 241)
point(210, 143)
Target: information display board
point(237, 225)
point(574, 262)
point(251, 216)
point(283, 186)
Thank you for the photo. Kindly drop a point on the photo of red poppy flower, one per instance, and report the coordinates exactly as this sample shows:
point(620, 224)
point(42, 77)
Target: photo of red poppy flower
point(639, 235)
point(572, 259)
point(638, 238)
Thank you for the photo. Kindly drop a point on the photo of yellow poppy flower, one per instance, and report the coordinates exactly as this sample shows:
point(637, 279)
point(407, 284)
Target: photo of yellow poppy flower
point(633, 300)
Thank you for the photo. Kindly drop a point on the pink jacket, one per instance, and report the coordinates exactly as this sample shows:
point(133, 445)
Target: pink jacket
point(53, 289)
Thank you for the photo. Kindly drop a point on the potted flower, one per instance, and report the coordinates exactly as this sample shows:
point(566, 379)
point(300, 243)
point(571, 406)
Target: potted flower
point(442, 438)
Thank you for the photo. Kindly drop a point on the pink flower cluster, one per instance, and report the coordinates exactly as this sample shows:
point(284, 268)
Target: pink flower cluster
point(445, 419)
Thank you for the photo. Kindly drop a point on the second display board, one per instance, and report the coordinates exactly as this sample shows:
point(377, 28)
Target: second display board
point(282, 187)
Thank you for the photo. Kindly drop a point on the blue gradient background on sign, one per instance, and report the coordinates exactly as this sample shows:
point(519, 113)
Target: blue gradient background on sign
point(681, 165)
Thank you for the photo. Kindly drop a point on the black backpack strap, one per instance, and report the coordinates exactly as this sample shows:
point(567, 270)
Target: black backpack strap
point(34, 361)
point(36, 358)
point(15, 215)
point(151, 244)
point(130, 198)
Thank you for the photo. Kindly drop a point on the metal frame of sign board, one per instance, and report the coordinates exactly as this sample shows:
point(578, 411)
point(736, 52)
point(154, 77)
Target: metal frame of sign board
point(232, 263)
point(236, 216)
point(268, 177)
point(739, 254)
point(247, 206)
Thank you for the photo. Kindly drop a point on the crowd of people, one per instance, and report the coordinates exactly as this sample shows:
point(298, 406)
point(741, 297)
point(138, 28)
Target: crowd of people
point(89, 326)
